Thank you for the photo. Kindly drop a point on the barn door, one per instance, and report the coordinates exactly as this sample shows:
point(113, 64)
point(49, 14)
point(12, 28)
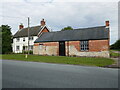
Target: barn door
point(62, 48)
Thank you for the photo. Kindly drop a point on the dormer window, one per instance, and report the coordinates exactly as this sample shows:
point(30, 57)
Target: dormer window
point(17, 39)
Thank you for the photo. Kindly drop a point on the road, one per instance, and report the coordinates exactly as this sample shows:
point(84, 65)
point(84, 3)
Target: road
point(22, 74)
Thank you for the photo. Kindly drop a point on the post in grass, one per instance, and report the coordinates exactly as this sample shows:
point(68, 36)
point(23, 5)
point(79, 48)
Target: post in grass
point(26, 56)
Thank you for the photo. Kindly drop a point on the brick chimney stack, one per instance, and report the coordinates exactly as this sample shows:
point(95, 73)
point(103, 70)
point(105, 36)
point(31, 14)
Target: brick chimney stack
point(42, 22)
point(107, 23)
point(21, 26)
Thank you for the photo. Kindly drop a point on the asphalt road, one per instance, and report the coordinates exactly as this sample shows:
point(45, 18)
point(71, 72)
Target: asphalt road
point(21, 74)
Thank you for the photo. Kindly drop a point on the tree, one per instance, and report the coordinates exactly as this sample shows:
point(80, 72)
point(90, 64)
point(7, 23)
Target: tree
point(116, 45)
point(67, 28)
point(6, 39)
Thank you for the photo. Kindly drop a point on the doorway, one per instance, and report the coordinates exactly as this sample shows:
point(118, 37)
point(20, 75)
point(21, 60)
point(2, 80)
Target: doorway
point(62, 48)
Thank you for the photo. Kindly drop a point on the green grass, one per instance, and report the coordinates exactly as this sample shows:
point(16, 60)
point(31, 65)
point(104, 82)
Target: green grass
point(114, 50)
point(61, 59)
point(113, 54)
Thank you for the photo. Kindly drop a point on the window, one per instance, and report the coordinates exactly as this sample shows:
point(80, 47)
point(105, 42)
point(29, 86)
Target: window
point(31, 47)
point(84, 45)
point(17, 48)
point(25, 48)
point(23, 39)
point(17, 39)
point(30, 38)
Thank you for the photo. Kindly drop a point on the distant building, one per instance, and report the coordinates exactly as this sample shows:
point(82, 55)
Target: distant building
point(20, 39)
point(93, 42)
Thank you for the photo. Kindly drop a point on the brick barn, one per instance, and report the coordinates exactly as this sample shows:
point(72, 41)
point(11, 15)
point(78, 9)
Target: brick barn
point(91, 42)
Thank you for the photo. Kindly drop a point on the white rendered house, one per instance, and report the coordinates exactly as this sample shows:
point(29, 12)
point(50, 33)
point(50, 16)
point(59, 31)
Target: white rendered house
point(20, 39)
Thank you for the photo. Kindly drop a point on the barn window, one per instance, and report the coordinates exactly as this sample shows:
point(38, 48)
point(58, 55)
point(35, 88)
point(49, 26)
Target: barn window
point(84, 45)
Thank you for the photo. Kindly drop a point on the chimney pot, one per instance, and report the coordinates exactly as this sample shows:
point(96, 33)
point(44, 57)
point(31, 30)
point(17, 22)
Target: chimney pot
point(42, 22)
point(107, 23)
point(21, 26)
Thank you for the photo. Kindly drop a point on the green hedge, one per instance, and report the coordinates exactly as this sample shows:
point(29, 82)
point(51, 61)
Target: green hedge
point(26, 52)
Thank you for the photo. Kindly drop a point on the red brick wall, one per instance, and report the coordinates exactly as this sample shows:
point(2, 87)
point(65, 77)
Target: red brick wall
point(36, 44)
point(52, 44)
point(94, 45)
point(75, 43)
point(49, 44)
point(98, 45)
point(45, 30)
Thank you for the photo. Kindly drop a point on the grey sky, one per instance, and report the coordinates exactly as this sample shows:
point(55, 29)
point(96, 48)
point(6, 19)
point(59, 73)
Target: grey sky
point(61, 14)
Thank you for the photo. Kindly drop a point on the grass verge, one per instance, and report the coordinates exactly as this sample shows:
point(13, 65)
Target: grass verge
point(61, 59)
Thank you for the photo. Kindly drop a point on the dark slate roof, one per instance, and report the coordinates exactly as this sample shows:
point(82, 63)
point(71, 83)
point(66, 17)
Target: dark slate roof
point(33, 31)
point(93, 33)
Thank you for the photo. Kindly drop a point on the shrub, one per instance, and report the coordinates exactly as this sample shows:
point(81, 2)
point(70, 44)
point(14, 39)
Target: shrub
point(26, 52)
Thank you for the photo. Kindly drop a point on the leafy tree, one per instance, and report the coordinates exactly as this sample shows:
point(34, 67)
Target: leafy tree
point(67, 28)
point(6, 39)
point(116, 45)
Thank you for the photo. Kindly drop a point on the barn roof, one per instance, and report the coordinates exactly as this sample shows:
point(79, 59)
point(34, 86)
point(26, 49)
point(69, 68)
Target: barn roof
point(33, 31)
point(93, 33)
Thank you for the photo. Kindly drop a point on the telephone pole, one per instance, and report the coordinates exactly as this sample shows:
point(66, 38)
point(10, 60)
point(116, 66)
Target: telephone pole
point(28, 33)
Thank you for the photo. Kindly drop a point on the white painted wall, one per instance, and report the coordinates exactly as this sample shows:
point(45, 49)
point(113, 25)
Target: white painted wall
point(22, 43)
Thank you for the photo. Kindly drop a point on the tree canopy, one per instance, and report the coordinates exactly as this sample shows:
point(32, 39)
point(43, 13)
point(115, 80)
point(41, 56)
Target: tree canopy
point(6, 39)
point(116, 45)
point(67, 28)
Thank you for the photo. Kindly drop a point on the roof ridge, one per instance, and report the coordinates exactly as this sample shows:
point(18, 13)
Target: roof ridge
point(31, 27)
point(90, 27)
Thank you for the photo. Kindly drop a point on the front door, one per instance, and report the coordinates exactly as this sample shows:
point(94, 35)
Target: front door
point(62, 48)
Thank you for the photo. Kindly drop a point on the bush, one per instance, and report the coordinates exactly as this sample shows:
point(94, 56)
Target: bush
point(26, 52)
point(115, 55)
point(116, 45)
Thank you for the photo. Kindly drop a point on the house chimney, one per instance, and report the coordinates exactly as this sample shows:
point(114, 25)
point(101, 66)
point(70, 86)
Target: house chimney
point(42, 22)
point(107, 23)
point(21, 26)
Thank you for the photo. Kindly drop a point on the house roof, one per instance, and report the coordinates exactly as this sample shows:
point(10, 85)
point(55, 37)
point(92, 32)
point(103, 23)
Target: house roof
point(93, 33)
point(33, 31)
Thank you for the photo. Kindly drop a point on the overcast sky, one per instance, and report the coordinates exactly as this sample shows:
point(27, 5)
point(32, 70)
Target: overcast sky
point(61, 14)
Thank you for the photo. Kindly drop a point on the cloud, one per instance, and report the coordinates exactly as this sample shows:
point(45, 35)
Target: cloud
point(59, 15)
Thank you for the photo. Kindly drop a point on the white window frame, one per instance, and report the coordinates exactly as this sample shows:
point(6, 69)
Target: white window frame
point(17, 39)
point(84, 45)
point(23, 39)
point(17, 48)
point(31, 38)
point(31, 47)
